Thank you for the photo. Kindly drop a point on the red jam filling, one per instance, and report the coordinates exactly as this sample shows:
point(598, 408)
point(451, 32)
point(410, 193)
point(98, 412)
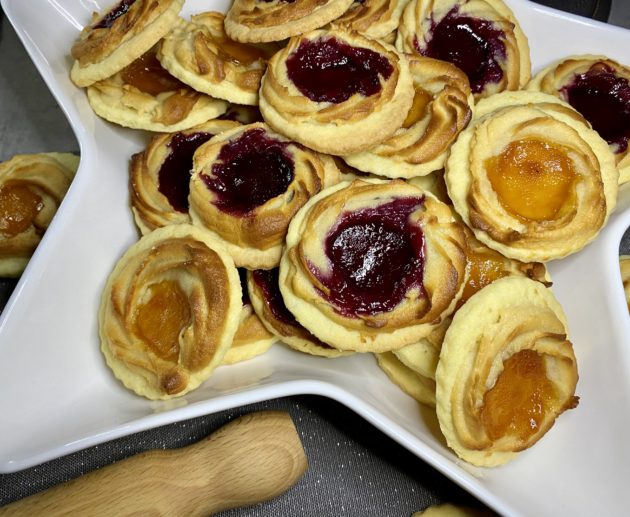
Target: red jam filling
point(603, 98)
point(376, 256)
point(328, 70)
point(108, 20)
point(251, 170)
point(174, 175)
point(475, 46)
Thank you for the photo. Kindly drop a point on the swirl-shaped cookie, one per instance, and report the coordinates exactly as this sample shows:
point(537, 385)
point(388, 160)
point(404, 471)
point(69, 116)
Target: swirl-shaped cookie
point(530, 178)
point(201, 55)
point(32, 187)
point(411, 382)
point(114, 39)
point(377, 19)
point(257, 21)
point(506, 372)
point(372, 266)
point(145, 96)
point(599, 88)
point(169, 311)
point(336, 92)
point(247, 184)
point(160, 175)
point(481, 37)
point(441, 109)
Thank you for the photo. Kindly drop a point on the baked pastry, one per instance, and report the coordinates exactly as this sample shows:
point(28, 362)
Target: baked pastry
point(422, 357)
point(506, 372)
point(482, 37)
point(145, 96)
point(599, 89)
point(169, 311)
point(412, 383)
point(246, 185)
point(266, 299)
point(624, 266)
point(113, 40)
point(372, 266)
point(377, 19)
point(160, 175)
point(32, 187)
point(530, 178)
point(336, 92)
point(441, 109)
point(242, 113)
point(200, 54)
point(253, 21)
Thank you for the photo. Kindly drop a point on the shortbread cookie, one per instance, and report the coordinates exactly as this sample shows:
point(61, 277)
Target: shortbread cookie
point(530, 178)
point(624, 265)
point(422, 357)
point(160, 175)
point(599, 88)
point(441, 109)
point(506, 372)
point(32, 187)
point(201, 55)
point(373, 266)
point(481, 37)
point(412, 383)
point(256, 21)
point(247, 184)
point(336, 92)
point(169, 311)
point(145, 96)
point(267, 301)
point(377, 19)
point(126, 31)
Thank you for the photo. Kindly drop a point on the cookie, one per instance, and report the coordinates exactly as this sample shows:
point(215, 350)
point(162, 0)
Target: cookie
point(377, 19)
point(412, 383)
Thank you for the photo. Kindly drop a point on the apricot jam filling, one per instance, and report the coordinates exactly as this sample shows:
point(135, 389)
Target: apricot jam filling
point(533, 180)
point(484, 267)
point(160, 320)
point(239, 53)
point(147, 75)
point(19, 207)
point(418, 110)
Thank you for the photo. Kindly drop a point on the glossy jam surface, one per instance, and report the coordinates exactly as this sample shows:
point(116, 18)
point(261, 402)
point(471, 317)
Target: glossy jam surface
point(146, 74)
point(418, 110)
point(19, 207)
point(329, 70)
point(161, 319)
point(267, 281)
point(376, 256)
point(533, 180)
point(239, 53)
point(475, 46)
point(251, 170)
point(484, 267)
point(603, 98)
point(174, 175)
point(108, 20)
point(521, 397)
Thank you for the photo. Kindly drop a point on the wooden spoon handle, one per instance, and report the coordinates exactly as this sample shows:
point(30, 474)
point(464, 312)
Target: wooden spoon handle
point(252, 459)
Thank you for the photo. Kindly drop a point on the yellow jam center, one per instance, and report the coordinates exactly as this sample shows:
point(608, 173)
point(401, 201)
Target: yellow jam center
point(19, 206)
point(421, 100)
point(239, 53)
point(147, 75)
point(484, 267)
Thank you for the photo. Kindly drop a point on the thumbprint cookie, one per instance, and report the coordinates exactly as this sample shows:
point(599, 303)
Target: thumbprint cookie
point(530, 177)
point(373, 266)
point(599, 88)
point(506, 372)
point(247, 184)
point(120, 35)
point(481, 37)
point(411, 382)
point(169, 311)
point(336, 92)
point(32, 187)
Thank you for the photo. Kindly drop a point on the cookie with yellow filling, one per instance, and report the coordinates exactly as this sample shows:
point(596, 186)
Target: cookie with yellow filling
point(441, 109)
point(145, 96)
point(336, 92)
point(599, 88)
point(200, 54)
point(530, 177)
point(482, 37)
point(169, 311)
point(507, 370)
point(377, 19)
point(372, 266)
point(32, 187)
point(411, 382)
point(120, 35)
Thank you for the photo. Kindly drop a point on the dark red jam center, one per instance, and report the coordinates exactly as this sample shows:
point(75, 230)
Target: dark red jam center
point(475, 46)
point(328, 70)
point(108, 20)
point(603, 98)
point(267, 281)
point(242, 275)
point(174, 175)
point(250, 171)
point(376, 256)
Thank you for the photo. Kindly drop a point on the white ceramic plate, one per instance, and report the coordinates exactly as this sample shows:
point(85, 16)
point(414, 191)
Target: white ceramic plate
point(57, 396)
